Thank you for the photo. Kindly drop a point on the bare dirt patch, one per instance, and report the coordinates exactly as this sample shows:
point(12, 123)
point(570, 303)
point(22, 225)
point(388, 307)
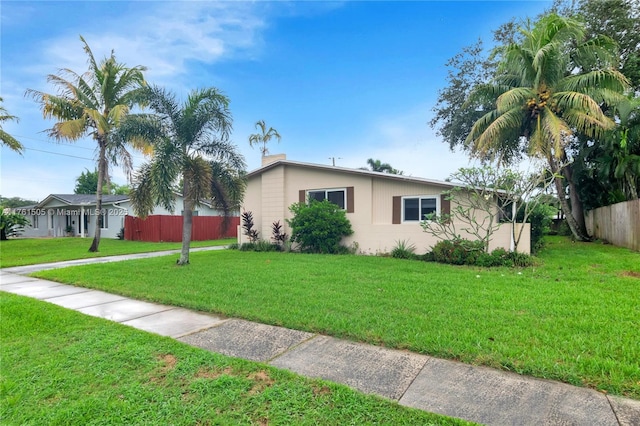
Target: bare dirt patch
point(261, 380)
point(634, 274)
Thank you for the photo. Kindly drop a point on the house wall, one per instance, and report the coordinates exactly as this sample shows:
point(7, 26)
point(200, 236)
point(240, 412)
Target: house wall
point(270, 193)
point(54, 218)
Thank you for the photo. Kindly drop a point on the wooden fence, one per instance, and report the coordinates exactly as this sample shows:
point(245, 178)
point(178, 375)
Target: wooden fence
point(618, 224)
point(169, 228)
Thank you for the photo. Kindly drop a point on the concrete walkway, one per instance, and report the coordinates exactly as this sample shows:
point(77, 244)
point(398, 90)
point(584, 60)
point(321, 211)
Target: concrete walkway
point(478, 394)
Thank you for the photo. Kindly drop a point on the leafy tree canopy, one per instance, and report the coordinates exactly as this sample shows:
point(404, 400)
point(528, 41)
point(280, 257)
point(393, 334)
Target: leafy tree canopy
point(87, 183)
point(14, 202)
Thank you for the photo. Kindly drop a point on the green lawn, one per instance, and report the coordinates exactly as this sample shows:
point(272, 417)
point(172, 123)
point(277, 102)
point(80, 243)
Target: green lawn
point(574, 318)
point(31, 251)
point(60, 367)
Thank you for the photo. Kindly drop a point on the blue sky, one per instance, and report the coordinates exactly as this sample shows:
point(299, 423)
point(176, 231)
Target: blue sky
point(343, 80)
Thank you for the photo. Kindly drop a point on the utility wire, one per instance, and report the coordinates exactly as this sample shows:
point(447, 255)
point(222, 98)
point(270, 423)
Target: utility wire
point(57, 153)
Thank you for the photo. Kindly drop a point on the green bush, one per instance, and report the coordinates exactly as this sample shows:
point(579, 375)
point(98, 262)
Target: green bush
point(427, 257)
point(403, 250)
point(12, 224)
point(540, 219)
point(260, 245)
point(319, 226)
point(457, 252)
point(521, 259)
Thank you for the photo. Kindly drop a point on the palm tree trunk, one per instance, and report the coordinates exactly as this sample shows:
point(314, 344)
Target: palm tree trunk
point(574, 225)
point(577, 210)
point(631, 186)
point(101, 171)
point(187, 223)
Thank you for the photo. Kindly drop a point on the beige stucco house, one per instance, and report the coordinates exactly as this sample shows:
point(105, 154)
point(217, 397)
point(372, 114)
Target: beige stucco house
point(383, 208)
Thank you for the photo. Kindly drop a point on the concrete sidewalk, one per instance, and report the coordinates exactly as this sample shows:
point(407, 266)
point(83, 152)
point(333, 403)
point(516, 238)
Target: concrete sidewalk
point(473, 393)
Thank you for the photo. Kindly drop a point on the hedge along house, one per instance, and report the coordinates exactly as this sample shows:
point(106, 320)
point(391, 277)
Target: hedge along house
point(61, 215)
point(383, 209)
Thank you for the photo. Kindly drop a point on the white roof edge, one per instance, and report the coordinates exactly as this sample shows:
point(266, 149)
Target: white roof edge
point(350, 170)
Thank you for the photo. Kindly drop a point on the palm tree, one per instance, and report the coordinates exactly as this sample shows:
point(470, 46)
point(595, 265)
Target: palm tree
point(5, 138)
point(378, 166)
point(549, 88)
point(182, 136)
point(263, 137)
point(94, 103)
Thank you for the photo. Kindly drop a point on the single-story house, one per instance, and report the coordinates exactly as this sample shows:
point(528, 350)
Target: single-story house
point(59, 213)
point(384, 209)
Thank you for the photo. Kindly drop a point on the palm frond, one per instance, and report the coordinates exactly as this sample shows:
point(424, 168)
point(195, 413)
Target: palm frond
point(487, 133)
point(10, 142)
point(516, 97)
point(71, 130)
point(197, 172)
point(554, 132)
point(141, 193)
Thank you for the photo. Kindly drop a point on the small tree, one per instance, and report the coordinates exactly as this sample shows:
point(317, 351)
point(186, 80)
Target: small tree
point(486, 198)
point(11, 224)
point(318, 226)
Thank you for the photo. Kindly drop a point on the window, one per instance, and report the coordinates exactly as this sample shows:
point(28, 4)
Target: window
point(415, 208)
point(34, 221)
point(336, 196)
point(505, 210)
point(51, 219)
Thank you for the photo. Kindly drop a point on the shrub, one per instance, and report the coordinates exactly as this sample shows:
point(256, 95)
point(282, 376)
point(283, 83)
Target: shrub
point(319, 226)
point(501, 257)
point(260, 245)
point(247, 247)
point(278, 237)
point(263, 245)
point(521, 259)
point(403, 250)
point(540, 219)
point(458, 251)
point(427, 257)
point(485, 260)
point(12, 224)
point(247, 225)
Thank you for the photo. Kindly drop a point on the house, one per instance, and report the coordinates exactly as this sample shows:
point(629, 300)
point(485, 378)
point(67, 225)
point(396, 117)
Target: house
point(75, 214)
point(383, 209)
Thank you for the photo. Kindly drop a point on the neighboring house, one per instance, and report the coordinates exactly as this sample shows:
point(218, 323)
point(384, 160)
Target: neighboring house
point(58, 213)
point(383, 209)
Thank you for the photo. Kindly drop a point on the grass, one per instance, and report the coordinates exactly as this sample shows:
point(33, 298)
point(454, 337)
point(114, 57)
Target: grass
point(575, 318)
point(31, 251)
point(60, 367)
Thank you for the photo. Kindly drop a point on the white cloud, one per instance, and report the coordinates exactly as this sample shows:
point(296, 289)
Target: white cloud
point(166, 37)
point(407, 143)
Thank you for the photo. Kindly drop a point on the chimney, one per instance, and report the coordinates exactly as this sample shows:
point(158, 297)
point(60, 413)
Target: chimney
point(268, 159)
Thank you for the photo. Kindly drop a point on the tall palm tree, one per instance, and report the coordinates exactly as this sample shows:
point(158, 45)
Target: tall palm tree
point(550, 86)
point(95, 103)
point(263, 137)
point(190, 141)
point(5, 138)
